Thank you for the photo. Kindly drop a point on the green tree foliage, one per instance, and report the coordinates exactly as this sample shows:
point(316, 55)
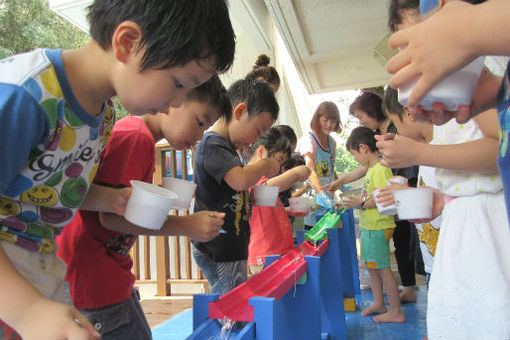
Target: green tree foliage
point(344, 161)
point(29, 24)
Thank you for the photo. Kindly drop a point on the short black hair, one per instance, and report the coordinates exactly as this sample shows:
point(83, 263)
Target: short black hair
point(274, 141)
point(295, 159)
point(288, 132)
point(257, 96)
point(395, 12)
point(174, 32)
point(261, 69)
point(214, 94)
point(361, 135)
point(370, 103)
point(391, 104)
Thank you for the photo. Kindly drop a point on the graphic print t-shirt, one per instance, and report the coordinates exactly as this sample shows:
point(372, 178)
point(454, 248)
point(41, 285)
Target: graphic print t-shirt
point(214, 157)
point(50, 149)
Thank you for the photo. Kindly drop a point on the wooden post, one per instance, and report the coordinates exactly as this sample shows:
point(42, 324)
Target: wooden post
point(147, 257)
point(162, 253)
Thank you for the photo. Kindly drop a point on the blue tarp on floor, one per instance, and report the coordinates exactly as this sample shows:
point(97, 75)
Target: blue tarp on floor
point(358, 327)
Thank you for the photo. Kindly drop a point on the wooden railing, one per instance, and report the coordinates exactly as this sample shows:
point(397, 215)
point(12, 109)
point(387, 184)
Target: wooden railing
point(177, 268)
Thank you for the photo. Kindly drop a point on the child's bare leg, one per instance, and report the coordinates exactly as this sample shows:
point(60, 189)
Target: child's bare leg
point(377, 289)
point(407, 294)
point(395, 313)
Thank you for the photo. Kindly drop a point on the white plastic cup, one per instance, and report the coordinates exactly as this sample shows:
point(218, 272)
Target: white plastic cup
point(266, 195)
point(414, 203)
point(183, 189)
point(388, 210)
point(454, 90)
point(299, 204)
point(148, 205)
point(397, 180)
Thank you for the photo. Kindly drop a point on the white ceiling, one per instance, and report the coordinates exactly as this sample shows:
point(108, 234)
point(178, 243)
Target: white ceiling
point(331, 42)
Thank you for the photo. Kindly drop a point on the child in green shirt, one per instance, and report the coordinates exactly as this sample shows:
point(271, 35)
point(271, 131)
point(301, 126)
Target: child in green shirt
point(376, 229)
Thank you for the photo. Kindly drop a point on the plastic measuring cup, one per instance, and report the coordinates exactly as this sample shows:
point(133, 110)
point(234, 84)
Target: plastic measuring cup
point(299, 204)
point(454, 90)
point(266, 195)
point(183, 189)
point(148, 205)
point(414, 203)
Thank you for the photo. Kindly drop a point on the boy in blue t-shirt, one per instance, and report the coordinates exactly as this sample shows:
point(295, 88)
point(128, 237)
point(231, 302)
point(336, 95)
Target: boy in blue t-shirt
point(376, 229)
point(56, 118)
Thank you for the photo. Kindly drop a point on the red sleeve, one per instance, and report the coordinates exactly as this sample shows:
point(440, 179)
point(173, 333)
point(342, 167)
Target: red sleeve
point(130, 154)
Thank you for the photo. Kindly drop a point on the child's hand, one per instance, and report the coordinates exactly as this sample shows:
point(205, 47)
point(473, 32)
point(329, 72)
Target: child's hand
point(272, 167)
point(385, 195)
point(204, 225)
point(120, 201)
point(302, 172)
point(484, 97)
point(431, 52)
point(50, 320)
point(437, 206)
point(351, 202)
point(399, 152)
point(332, 186)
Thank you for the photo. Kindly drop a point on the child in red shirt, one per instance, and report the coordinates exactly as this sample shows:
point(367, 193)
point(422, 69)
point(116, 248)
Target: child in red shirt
point(271, 230)
point(96, 246)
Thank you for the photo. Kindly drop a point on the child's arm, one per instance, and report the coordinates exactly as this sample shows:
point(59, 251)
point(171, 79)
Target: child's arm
point(447, 41)
point(289, 177)
point(300, 191)
point(241, 178)
point(202, 226)
point(349, 177)
point(106, 199)
point(32, 315)
point(357, 203)
point(314, 178)
point(476, 156)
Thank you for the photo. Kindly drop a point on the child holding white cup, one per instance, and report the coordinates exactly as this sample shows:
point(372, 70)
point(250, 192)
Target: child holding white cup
point(474, 217)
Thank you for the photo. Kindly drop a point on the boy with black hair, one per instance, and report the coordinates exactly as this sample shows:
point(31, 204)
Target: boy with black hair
point(56, 119)
point(376, 229)
point(96, 246)
point(403, 13)
point(288, 132)
point(223, 182)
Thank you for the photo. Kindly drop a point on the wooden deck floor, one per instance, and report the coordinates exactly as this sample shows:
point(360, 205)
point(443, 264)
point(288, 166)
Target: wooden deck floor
point(158, 310)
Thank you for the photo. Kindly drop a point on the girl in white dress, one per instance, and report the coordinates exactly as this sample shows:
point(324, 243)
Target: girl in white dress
point(469, 292)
